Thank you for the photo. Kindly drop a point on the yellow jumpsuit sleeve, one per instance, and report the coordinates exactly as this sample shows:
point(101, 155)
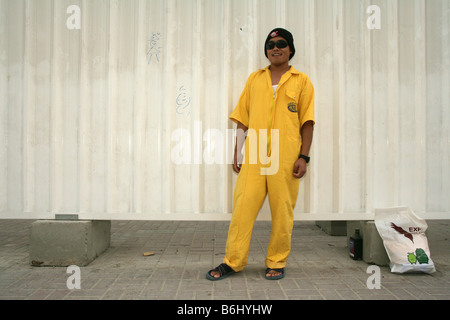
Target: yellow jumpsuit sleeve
point(242, 110)
point(306, 103)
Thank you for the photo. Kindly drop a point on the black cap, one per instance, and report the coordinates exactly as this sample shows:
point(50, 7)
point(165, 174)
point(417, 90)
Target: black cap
point(280, 32)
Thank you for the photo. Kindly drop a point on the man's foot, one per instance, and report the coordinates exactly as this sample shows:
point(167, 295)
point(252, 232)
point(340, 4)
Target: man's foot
point(274, 274)
point(219, 273)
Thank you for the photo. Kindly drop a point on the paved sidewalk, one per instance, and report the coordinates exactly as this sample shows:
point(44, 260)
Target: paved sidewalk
point(318, 268)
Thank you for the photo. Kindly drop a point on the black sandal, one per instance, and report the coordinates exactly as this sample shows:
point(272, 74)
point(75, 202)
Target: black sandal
point(281, 276)
point(224, 271)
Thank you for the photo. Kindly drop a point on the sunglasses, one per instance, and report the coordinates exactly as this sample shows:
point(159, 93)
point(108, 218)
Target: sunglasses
point(280, 44)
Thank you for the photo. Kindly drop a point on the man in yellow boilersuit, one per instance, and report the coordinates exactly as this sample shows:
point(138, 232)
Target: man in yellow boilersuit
point(277, 105)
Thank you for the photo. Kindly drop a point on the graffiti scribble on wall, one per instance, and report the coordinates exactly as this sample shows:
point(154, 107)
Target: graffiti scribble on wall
point(183, 101)
point(155, 47)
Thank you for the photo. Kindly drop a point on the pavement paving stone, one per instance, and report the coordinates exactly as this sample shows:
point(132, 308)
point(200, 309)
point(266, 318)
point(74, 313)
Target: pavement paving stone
point(319, 267)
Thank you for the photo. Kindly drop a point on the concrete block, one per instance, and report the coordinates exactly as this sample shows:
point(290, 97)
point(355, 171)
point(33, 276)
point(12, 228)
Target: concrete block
point(333, 228)
point(64, 243)
point(373, 247)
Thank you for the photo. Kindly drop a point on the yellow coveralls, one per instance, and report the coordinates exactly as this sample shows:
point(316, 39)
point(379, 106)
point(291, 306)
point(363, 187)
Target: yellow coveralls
point(286, 110)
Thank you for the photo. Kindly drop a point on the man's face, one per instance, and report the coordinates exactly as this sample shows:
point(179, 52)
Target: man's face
point(278, 56)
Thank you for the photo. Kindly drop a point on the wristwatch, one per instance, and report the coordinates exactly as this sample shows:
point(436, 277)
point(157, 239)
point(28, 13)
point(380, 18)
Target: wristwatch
point(306, 158)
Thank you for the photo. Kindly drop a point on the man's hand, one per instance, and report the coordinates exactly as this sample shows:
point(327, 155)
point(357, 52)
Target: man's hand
point(240, 140)
point(237, 163)
point(299, 168)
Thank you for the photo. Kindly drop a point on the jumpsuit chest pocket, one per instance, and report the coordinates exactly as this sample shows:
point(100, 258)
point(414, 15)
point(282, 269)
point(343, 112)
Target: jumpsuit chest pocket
point(292, 100)
point(291, 116)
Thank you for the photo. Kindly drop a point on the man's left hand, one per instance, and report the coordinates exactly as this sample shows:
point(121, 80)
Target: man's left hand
point(299, 168)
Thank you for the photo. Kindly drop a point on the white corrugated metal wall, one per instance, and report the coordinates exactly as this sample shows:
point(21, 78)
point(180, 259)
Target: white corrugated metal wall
point(95, 96)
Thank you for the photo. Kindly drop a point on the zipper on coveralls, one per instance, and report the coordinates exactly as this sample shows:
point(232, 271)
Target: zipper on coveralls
point(269, 131)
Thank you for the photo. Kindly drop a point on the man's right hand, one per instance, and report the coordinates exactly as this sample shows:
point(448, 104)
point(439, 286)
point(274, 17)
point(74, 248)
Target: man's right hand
point(240, 140)
point(237, 163)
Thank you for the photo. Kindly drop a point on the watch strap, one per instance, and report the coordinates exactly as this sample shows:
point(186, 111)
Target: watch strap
point(306, 158)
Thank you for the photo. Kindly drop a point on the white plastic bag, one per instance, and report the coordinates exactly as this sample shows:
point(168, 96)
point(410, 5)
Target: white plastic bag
point(403, 234)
